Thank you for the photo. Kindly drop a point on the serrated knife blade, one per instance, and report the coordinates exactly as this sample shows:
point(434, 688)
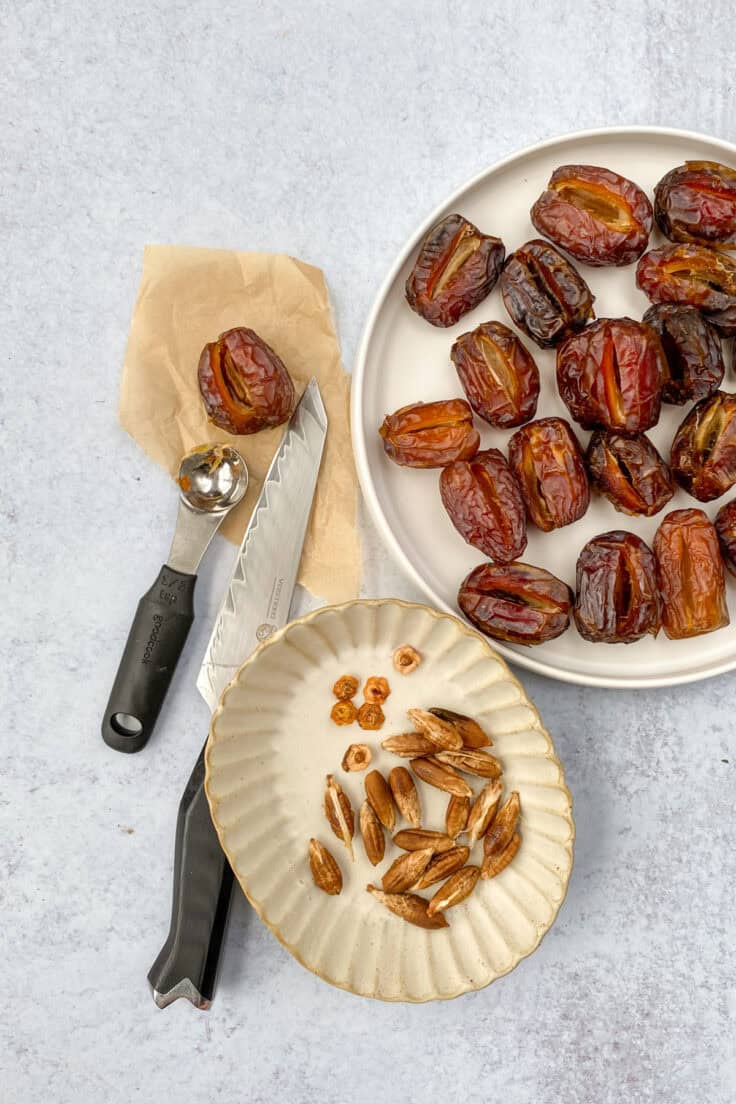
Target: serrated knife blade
point(259, 595)
point(256, 603)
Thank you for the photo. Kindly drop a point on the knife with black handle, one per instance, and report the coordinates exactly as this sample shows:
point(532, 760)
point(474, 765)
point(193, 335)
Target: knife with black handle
point(256, 604)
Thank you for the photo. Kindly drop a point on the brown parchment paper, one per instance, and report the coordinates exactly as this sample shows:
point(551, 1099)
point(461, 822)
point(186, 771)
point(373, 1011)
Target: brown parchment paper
point(187, 297)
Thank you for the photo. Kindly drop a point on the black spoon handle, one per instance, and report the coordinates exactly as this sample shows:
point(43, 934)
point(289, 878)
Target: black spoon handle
point(203, 881)
point(155, 642)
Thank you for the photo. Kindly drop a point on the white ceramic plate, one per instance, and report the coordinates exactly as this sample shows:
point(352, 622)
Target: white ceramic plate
point(403, 359)
point(272, 743)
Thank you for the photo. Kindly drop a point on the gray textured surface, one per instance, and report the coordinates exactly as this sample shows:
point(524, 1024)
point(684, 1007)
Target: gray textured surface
point(326, 130)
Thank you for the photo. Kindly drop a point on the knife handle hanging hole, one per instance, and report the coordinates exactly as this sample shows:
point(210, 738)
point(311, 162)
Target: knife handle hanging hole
point(126, 725)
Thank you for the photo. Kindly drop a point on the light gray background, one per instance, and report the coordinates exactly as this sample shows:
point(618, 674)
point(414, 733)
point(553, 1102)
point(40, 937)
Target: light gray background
point(326, 130)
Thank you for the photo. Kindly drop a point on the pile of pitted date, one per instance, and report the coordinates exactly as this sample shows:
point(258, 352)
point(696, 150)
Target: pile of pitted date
point(613, 375)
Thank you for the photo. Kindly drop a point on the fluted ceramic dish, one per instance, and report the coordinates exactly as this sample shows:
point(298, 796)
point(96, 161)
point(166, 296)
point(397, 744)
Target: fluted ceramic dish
point(271, 744)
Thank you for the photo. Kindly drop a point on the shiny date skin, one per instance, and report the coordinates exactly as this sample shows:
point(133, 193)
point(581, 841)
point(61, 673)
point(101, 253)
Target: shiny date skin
point(546, 459)
point(690, 574)
point(703, 456)
point(456, 268)
point(617, 596)
point(545, 295)
point(725, 524)
point(696, 202)
point(694, 276)
point(485, 505)
point(498, 375)
point(244, 385)
point(692, 350)
point(630, 472)
point(610, 375)
point(430, 435)
point(594, 214)
point(517, 603)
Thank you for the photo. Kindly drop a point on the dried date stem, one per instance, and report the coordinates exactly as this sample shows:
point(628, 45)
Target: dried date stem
point(406, 659)
point(357, 757)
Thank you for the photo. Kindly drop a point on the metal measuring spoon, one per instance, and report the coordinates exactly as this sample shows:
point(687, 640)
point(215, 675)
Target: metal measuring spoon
point(212, 479)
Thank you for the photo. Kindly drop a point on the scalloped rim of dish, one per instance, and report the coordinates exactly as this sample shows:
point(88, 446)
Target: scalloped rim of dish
point(523, 659)
point(257, 905)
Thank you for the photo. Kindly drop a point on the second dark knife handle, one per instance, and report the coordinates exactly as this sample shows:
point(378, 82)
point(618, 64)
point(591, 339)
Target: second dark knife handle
point(203, 881)
point(156, 639)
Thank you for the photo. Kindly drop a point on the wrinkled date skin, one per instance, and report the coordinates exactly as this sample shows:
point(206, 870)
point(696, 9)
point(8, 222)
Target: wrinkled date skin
point(544, 293)
point(519, 603)
point(594, 214)
point(696, 202)
point(610, 375)
point(629, 472)
point(690, 573)
point(498, 375)
point(546, 459)
point(430, 435)
point(726, 529)
point(244, 385)
point(485, 505)
point(694, 276)
point(703, 457)
point(617, 591)
point(456, 268)
point(692, 350)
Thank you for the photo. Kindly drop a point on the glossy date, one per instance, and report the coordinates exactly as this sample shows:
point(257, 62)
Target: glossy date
point(519, 603)
point(485, 505)
point(456, 268)
point(245, 386)
point(430, 435)
point(629, 472)
point(703, 456)
point(546, 459)
point(696, 202)
point(544, 293)
point(498, 375)
point(594, 214)
point(692, 351)
point(617, 592)
point(694, 276)
point(610, 375)
point(690, 575)
point(725, 524)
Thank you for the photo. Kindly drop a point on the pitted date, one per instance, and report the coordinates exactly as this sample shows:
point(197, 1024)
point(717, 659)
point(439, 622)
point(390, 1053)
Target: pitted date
point(594, 214)
point(519, 603)
point(617, 598)
point(456, 268)
point(703, 457)
point(725, 524)
point(692, 350)
point(694, 276)
point(546, 459)
point(485, 505)
point(430, 435)
point(629, 472)
point(244, 385)
point(610, 375)
point(544, 293)
point(696, 202)
point(690, 574)
point(498, 375)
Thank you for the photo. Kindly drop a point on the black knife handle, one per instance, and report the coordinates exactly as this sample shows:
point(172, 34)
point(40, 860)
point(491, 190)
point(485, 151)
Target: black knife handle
point(203, 881)
point(155, 642)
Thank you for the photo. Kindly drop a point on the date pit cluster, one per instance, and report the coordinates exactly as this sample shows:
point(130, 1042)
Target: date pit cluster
point(613, 375)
